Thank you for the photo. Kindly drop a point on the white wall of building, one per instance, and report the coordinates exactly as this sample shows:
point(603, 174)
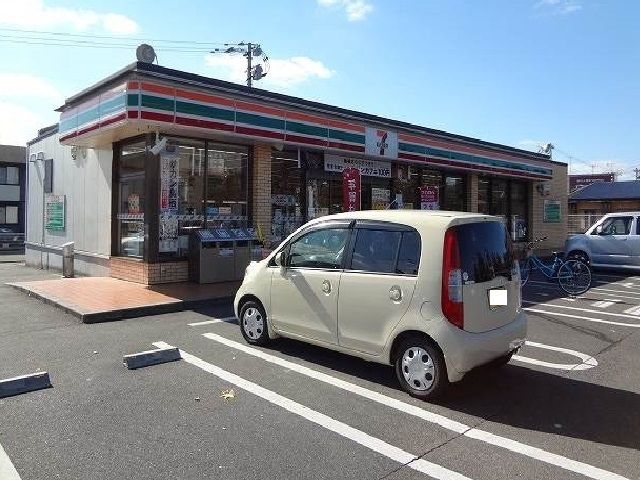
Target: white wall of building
point(86, 183)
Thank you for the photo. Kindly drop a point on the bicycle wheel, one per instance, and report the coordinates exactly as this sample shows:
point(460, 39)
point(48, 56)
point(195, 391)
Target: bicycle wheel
point(574, 277)
point(525, 271)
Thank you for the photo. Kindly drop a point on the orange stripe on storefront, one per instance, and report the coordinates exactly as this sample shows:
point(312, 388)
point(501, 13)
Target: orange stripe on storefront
point(161, 89)
point(253, 107)
point(204, 97)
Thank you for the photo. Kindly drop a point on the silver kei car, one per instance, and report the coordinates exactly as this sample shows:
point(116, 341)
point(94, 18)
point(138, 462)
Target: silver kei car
point(613, 241)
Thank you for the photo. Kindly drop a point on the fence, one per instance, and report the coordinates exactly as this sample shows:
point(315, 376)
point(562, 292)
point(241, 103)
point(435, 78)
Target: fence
point(581, 223)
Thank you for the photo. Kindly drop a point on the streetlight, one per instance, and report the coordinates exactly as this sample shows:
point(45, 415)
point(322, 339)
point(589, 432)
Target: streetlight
point(248, 50)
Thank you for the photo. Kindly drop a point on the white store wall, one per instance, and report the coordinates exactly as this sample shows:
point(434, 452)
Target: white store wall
point(86, 184)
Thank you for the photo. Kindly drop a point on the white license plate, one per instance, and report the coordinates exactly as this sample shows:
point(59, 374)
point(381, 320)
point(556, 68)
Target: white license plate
point(5, 245)
point(498, 297)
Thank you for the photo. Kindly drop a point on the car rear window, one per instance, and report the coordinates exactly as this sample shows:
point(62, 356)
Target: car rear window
point(485, 251)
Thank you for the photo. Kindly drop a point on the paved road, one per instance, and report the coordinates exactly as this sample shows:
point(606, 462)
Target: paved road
point(568, 407)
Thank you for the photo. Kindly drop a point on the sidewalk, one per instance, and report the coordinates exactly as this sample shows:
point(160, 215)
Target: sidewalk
point(101, 299)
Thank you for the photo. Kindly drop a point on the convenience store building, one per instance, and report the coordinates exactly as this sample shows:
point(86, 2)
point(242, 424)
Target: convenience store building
point(145, 157)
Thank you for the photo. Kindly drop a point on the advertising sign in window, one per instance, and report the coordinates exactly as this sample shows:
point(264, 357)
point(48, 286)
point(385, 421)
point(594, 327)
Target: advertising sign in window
point(429, 198)
point(368, 168)
point(351, 189)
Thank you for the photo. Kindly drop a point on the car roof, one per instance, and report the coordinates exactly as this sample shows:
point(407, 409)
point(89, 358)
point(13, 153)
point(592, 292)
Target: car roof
point(622, 214)
point(413, 218)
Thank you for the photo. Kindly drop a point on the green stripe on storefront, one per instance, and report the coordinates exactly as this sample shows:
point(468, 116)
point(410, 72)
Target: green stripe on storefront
point(259, 120)
point(346, 136)
point(204, 111)
point(133, 100)
point(306, 129)
point(157, 103)
point(111, 106)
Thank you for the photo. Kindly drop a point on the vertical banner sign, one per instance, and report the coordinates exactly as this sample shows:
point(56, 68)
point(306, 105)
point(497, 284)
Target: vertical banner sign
point(54, 213)
point(429, 198)
point(168, 202)
point(351, 189)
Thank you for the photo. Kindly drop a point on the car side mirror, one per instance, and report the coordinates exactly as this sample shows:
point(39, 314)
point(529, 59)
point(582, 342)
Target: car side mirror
point(278, 259)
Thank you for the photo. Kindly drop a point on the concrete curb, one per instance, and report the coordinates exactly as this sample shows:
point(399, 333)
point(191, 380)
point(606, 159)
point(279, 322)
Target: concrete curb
point(24, 383)
point(125, 313)
point(151, 357)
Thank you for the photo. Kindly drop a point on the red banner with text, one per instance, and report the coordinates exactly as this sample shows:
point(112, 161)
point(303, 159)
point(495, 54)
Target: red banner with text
point(351, 189)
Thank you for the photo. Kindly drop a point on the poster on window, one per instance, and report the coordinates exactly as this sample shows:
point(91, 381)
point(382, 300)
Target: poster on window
point(429, 198)
point(379, 198)
point(367, 168)
point(351, 189)
point(169, 202)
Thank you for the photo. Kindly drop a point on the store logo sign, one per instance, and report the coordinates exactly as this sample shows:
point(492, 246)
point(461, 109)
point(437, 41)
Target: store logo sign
point(382, 143)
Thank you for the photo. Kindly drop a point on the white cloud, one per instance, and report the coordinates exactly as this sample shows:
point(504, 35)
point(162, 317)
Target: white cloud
point(21, 84)
point(559, 7)
point(34, 14)
point(356, 10)
point(283, 72)
point(20, 122)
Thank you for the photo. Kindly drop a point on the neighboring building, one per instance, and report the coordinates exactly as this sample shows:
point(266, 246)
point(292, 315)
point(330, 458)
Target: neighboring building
point(12, 188)
point(237, 157)
point(579, 181)
point(588, 204)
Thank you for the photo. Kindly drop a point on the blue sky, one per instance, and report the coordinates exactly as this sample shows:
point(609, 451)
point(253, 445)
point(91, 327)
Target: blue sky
point(519, 72)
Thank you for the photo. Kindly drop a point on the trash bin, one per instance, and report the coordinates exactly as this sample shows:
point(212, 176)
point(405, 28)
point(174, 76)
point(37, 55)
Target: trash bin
point(67, 260)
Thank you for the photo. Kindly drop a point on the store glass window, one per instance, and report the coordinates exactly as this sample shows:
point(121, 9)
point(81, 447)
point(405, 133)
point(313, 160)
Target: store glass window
point(226, 202)
point(507, 199)
point(287, 195)
point(324, 197)
point(518, 211)
point(182, 176)
point(131, 200)
point(406, 180)
point(453, 193)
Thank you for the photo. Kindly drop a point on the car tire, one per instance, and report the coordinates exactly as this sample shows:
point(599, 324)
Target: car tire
point(253, 323)
point(579, 256)
point(420, 368)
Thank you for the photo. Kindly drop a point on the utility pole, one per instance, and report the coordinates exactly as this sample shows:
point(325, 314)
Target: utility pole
point(637, 170)
point(248, 50)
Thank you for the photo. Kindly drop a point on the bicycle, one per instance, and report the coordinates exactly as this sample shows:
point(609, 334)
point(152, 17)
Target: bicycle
point(573, 275)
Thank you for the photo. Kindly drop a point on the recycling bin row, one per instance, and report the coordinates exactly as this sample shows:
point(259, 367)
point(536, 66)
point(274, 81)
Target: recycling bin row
point(221, 254)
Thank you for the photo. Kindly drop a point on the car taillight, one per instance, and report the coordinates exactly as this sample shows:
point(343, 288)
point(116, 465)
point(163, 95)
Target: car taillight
point(452, 306)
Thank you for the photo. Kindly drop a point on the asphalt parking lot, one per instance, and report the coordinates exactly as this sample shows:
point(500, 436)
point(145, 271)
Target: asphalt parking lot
point(568, 406)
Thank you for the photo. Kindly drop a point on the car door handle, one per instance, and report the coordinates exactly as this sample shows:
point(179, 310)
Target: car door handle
point(395, 293)
point(326, 286)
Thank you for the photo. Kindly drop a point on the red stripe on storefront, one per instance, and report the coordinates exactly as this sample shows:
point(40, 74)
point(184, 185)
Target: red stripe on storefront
point(208, 124)
point(345, 146)
point(306, 140)
point(132, 114)
point(133, 85)
point(67, 137)
point(160, 117)
point(82, 131)
point(256, 132)
point(117, 118)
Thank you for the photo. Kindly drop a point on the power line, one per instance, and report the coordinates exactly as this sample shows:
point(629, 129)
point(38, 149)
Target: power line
point(98, 45)
point(109, 37)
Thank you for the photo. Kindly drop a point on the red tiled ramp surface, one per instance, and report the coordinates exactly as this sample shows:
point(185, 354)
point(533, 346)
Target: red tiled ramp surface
point(87, 296)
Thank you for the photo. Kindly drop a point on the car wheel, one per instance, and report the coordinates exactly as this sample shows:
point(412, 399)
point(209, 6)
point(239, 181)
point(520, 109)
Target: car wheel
point(579, 256)
point(420, 368)
point(253, 323)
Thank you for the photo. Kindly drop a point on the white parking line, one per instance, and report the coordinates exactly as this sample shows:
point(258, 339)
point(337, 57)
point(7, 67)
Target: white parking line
point(484, 436)
point(7, 470)
point(635, 310)
point(211, 322)
point(591, 291)
point(587, 360)
point(602, 303)
point(342, 429)
point(587, 310)
point(626, 292)
point(579, 317)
